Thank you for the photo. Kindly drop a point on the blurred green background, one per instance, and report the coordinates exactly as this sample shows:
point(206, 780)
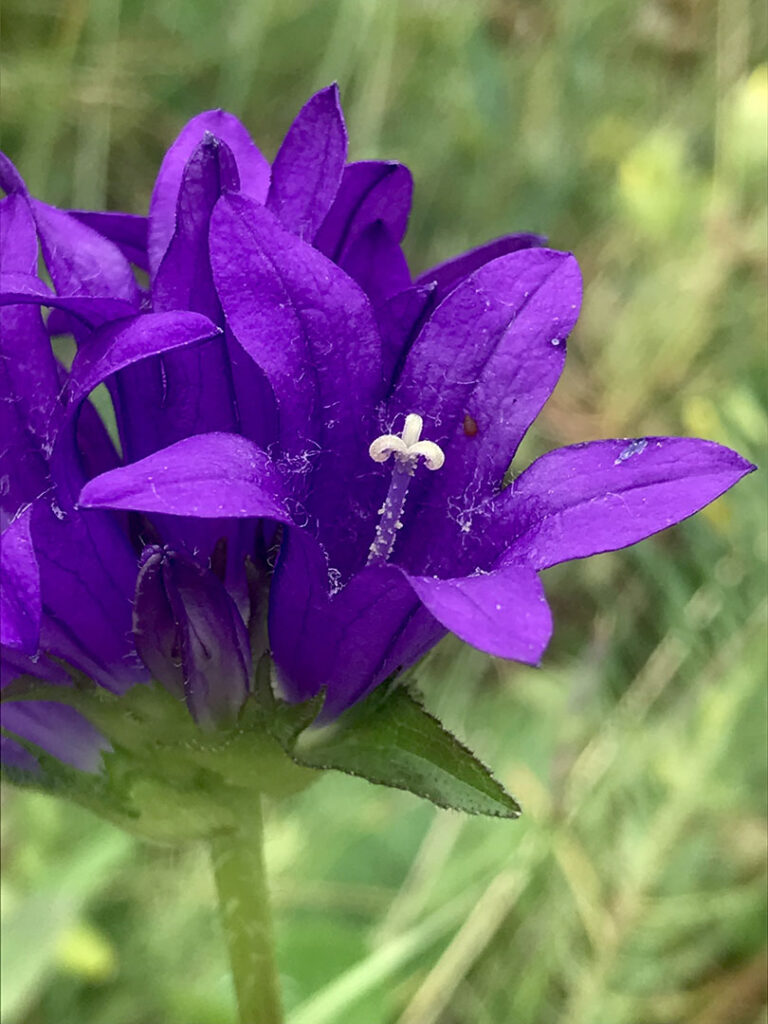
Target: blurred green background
point(633, 891)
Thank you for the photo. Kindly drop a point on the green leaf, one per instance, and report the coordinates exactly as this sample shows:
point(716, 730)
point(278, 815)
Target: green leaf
point(167, 779)
point(394, 741)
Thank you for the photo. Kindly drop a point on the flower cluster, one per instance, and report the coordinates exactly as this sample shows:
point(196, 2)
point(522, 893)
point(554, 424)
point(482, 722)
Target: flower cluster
point(311, 446)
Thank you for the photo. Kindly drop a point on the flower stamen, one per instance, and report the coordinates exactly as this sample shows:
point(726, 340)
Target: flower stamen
point(407, 449)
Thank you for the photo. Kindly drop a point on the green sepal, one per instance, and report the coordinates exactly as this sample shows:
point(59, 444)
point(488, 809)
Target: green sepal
point(289, 721)
point(392, 740)
point(90, 789)
point(165, 778)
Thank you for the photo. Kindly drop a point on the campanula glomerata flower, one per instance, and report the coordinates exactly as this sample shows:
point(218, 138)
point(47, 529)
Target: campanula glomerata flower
point(311, 444)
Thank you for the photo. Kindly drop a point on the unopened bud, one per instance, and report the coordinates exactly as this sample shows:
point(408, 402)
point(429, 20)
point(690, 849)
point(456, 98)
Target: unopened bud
point(191, 636)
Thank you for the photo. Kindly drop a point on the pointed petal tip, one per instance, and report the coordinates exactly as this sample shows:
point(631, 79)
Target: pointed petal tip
point(584, 499)
point(564, 256)
point(569, 268)
point(331, 95)
point(747, 467)
point(308, 166)
point(503, 612)
point(253, 170)
point(214, 112)
point(10, 179)
point(551, 261)
point(741, 466)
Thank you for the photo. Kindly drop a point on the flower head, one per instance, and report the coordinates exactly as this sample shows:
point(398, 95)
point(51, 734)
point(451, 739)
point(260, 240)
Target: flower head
point(310, 440)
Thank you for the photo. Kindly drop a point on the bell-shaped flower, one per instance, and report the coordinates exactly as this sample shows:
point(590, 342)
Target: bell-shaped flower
point(382, 557)
point(287, 397)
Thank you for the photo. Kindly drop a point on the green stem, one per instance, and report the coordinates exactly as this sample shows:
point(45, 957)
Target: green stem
point(238, 866)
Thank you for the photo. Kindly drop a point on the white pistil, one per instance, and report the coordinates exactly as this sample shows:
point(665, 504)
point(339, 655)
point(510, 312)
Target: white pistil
point(407, 449)
point(408, 446)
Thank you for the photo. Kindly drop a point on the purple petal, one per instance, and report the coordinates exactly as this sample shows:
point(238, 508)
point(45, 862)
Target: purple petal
point(307, 170)
point(128, 231)
point(578, 501)
point(257, 413)
point(257, 296)
point(18, 237)
point(479, 372)
point(96, 448)
point(311, 330)
point(376, 262)
point(80, 260)
point(183, 279)
point(349, 642)
point(23, 468)
point(445, 276)
point(25, 350)
point(14, 664)
point(15, 758)
point(503, 612)
point(31, 378)
point(210, 476)
point(215, 652)
point(87, 577)
point(190, 635)
point(92, 310)
point(400, 319)
point(155, 631)
point(252, 167)
point(29, 386)
point(369, 191)
point(87, 567)
point(147, 418)
point(187, 390)
point(201, 379)
point(153, 410)
point(20, 604)
point(85, 613)
point(58, 729)
point(10, 179)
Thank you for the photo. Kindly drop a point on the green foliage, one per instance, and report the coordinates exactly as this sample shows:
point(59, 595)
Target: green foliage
point(633, 888)
point(391, 739)
point(165, 780)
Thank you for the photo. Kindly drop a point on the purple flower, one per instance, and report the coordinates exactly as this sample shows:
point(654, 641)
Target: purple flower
point(309, 438)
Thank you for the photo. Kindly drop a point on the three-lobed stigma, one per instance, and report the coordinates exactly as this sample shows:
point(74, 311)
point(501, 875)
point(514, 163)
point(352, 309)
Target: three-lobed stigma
point(407, 447)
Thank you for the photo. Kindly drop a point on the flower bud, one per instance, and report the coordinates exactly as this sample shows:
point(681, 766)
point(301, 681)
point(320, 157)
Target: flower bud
point(191, 636)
